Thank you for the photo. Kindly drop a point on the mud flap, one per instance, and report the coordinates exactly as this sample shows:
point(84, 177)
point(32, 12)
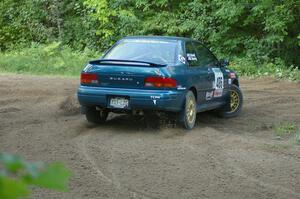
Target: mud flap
point(226, 107)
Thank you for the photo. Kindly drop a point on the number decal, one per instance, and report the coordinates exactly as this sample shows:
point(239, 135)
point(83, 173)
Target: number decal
point(218, 84)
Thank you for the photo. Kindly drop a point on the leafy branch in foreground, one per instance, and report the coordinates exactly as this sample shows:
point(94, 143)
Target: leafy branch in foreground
point(18, 175)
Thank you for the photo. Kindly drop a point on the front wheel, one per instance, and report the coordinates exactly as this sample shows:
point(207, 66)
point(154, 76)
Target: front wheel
point(96, 116)
point(189, 112)
point(234, 104)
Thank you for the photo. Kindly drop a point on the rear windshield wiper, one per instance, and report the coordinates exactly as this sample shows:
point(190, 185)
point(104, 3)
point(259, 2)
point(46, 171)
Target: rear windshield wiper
point(112, 61)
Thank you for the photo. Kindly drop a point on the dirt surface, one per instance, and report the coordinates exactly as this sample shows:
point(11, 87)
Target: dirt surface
point(220, 158)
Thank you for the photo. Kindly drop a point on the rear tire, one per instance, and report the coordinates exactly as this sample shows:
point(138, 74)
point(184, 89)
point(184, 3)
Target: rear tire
point(234, 105)
point(189, 112)
point(96, 116)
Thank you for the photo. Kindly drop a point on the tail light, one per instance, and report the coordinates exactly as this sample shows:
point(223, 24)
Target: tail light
point(89, 78)
point(160, 82)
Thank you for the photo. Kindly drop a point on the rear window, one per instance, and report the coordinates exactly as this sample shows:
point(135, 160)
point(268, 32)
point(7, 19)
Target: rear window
point(156, 51)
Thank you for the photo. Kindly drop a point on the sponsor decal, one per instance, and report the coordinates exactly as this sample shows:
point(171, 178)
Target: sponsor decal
point(191, 57)
point(181, 88)
point(209, 95)
point(218, 92)
point(181, 59)
point(154, 102)
point(154, 99)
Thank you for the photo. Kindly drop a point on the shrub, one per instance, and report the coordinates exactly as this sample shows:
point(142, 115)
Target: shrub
point(276, 68)
point(53, 59)
point(285, 128)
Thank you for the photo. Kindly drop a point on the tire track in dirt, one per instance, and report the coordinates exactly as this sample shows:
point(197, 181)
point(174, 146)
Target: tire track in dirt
point(114, 180)
point(216, 157)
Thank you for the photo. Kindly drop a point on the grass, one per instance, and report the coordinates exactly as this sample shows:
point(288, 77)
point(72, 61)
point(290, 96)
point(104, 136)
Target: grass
point(285, 129)
point(55, 59)
point(52, 59)
point(276, 69)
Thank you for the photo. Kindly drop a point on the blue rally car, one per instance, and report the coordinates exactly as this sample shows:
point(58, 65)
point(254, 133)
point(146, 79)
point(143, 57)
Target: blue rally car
point(170, 74)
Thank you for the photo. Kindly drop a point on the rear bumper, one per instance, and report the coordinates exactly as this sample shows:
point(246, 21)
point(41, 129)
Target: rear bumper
point(165, 100)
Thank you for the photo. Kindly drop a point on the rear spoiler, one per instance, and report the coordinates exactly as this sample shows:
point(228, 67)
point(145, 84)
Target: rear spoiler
point(124, 62)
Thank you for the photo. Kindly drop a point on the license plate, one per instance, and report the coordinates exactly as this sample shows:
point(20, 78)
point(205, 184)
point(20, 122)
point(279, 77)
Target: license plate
point(119, 102)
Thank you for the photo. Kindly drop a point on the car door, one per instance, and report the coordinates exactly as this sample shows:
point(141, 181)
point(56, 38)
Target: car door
point(218, 82)
point(198, 75)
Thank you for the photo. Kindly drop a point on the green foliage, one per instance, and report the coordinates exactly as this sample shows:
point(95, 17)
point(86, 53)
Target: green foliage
point(44, 21)
point(258, 30)
point(17, 176)
point(285, 128)
point(55, 176)
point(12, 189)
point(52, 59)
point(256, 33)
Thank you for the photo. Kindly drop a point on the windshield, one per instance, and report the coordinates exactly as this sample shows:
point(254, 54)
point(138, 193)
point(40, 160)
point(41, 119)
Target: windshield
point(155, 51)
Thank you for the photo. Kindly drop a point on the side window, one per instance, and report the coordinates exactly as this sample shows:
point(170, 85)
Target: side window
point(191, 54)
point(205, 56)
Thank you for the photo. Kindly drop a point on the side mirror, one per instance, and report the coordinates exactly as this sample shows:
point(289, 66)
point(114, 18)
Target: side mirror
point(223, 62)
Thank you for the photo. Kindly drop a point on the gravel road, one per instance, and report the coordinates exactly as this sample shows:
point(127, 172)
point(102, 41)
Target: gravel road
point(220, 158)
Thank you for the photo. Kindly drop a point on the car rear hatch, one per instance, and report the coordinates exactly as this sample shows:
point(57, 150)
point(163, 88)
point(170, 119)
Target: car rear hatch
point(124, 73)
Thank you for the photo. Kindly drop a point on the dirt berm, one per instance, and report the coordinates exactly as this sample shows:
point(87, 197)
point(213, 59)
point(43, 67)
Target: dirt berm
point(220, 158)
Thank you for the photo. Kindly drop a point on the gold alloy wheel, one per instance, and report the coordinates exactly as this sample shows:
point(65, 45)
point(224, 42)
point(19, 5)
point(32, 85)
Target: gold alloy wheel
point(190, 112)
point(234, 101)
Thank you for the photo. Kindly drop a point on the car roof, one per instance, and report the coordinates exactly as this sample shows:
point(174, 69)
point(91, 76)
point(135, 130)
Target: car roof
point(160, 38)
